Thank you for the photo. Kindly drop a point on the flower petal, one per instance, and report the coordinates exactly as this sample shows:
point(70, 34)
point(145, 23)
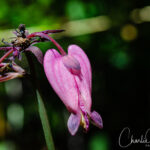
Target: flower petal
point(80, 55)
point(96, 119)
point(85, 94)
point(73, 123)
point(37, 52)
point(84, 81)
point(61, 79)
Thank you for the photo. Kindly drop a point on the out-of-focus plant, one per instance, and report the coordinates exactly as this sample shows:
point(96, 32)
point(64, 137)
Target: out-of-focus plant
point(69, 74)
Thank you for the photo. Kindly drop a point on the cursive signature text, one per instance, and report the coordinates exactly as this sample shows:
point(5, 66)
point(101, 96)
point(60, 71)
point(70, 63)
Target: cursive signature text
point(130, 139)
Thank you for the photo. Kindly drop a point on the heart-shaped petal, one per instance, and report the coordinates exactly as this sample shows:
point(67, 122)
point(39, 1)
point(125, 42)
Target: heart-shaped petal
point(62, 81)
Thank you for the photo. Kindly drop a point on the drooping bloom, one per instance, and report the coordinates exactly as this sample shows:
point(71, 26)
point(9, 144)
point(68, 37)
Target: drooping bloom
point(70, 76)
point(10, 71)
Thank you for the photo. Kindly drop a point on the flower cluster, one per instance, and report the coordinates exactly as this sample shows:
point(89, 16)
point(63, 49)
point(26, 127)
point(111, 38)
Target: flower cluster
point(69, 74)
point(22, 43)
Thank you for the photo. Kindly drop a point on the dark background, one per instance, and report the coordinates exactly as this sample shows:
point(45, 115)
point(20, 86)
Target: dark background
point(120, 59)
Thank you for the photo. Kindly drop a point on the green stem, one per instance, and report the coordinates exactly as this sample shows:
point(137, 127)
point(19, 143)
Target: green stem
point(41, 107)
point(45, 123)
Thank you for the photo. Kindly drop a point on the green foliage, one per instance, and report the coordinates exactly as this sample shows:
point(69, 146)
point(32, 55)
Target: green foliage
point(79, 8)
point(120, 59)
point(99, 142)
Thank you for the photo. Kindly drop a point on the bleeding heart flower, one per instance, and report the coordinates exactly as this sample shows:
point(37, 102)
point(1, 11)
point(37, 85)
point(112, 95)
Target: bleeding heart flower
point(70, 76)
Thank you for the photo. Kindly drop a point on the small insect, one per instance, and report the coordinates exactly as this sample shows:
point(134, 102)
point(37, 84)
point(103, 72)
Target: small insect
point(21, 40)
point(21, 31)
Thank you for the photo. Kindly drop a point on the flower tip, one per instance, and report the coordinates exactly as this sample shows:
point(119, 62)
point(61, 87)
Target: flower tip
point(96, 119)
point(9, 76)
point(73, 46)
point(72, 64)
point(73, 123)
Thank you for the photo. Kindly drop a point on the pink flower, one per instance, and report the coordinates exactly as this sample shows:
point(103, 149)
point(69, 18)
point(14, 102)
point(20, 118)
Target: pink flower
point(70, 76)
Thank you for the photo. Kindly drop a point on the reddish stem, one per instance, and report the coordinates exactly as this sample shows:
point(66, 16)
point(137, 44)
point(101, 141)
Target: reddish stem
point(58, 46)
point(42, 35)
point(52, 31)
point(6, 55)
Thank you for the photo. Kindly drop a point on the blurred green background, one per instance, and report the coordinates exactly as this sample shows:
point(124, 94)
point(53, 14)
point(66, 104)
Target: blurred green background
point(116, 37)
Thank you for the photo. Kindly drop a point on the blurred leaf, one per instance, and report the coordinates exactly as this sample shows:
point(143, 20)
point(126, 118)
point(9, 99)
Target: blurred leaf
point(45, 2)
point(3, 11)
point(79, 8)
point(120, 59)
point(45, 123)
point(7, 145)
point(44, 46)
point(99, 142)
point(15, 115)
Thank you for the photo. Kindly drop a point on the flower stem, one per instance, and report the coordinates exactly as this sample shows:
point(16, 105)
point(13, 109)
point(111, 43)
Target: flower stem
point(45, 123)
point(6, 55)
point(45, 36)
point(58, 46)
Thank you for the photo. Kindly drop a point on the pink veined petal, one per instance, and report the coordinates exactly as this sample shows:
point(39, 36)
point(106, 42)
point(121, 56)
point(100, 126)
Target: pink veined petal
point(61, 79)
point(85, 96)
point(84, 84)
point(73, 123)
point(80, 55)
